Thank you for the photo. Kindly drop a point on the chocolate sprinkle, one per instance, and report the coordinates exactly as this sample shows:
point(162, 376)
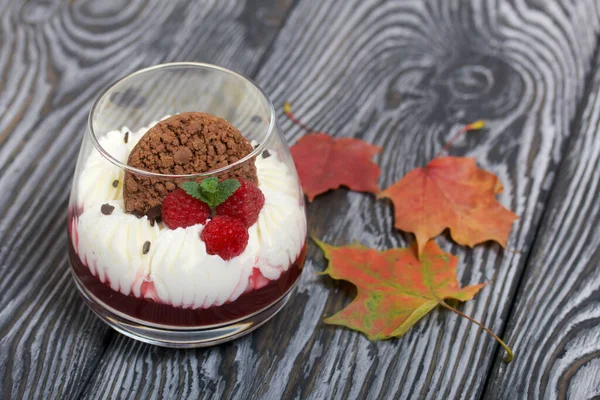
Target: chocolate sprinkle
point(154, 214)
point(106, 209)
point(138, 213)
point(126, 138)
point(115, 183)
point(146, 247)
point(266, 154)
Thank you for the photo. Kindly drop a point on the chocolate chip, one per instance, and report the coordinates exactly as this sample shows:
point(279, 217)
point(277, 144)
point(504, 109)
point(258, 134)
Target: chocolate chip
point(154, 214)
point(266, 154)
point(138, 213)
point(256, 119)
point(126, 137)
point(182, 155)
point(146, 247)
point(106, 209)
point(115, 183)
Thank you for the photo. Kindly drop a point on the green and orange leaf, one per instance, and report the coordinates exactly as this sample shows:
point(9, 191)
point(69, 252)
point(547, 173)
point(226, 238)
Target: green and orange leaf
point(395, 289)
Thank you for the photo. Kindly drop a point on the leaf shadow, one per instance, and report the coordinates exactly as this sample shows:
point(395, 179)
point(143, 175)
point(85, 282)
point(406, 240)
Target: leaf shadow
point(340, 294)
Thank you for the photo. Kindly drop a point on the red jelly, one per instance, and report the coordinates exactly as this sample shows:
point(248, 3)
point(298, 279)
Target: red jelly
point(163, 314)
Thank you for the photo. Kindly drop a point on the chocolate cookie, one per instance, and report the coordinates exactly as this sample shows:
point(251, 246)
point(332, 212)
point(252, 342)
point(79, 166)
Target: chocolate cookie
point(186, 143)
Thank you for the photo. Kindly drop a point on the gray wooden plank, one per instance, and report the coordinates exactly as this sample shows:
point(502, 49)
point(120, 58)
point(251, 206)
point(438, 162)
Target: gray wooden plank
point(402, 74)
point(555, 325)
point(54, 59)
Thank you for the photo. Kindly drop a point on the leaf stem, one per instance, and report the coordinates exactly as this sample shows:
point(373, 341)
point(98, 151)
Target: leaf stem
point(287, 109)
point(474, 126)
point(509, 354)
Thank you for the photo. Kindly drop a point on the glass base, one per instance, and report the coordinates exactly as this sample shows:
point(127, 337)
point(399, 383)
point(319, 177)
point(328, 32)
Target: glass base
point(184, 338)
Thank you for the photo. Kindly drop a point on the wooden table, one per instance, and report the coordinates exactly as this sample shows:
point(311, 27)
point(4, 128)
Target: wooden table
point(400, 74)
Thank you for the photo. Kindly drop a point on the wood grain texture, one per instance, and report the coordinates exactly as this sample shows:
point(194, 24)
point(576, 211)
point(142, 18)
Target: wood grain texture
point(54, 59)
point(402, 74)
point(555, 325)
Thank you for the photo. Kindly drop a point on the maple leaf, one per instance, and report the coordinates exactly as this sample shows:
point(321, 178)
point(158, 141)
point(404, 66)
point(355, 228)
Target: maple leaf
point(324, 163)
point(450, 192)
point(395, 289)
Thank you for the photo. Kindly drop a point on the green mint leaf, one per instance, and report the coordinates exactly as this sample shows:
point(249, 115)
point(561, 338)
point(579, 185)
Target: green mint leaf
point(195, 190)
point(229, 186)
point(205, 197)
point(211, 191)
point(226, 189)
point(191, 188)
point(208, 190)
point(209, 185)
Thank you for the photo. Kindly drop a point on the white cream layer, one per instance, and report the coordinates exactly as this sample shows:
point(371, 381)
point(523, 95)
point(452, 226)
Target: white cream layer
point(177, 270)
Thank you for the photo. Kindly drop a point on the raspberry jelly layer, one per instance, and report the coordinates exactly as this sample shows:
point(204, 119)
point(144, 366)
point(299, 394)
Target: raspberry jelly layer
point(164, 314)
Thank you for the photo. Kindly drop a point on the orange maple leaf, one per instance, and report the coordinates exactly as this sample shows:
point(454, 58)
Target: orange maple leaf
point(395, 289)
point(324, 163)
point(450, 192)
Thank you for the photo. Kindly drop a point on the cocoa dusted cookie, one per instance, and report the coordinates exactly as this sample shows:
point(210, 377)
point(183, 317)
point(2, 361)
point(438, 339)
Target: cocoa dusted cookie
point(186, 143)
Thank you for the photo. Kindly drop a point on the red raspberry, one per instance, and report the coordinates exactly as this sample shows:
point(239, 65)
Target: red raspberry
point(225, 236)
point(244, 204)
point(180, 210)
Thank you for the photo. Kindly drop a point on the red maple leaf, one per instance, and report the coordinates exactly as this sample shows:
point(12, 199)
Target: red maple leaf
point(395, 289)
point(451, 192)
point(324, 163)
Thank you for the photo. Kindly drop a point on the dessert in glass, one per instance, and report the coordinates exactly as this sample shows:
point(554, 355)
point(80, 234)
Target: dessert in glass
point(187, 224)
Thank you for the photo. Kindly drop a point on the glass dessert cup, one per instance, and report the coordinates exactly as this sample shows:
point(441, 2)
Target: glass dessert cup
point(160, 285)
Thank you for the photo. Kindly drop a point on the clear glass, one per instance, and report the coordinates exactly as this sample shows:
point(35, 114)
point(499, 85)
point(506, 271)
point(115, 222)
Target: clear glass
point(160, 285)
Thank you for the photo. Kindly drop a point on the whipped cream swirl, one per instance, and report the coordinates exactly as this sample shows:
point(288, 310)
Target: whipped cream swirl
point(177, 270)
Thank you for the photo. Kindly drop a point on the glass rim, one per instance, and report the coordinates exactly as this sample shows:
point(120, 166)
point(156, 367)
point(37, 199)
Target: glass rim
point(253, 154)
